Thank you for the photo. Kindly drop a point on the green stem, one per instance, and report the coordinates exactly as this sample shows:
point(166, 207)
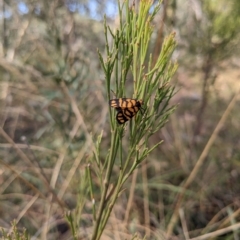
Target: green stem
point(106, 185)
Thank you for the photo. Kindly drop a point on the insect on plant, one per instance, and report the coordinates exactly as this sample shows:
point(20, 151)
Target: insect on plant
point(126, 108)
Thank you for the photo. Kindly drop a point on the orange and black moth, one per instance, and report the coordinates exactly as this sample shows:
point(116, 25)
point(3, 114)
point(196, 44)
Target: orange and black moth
point(126, 108)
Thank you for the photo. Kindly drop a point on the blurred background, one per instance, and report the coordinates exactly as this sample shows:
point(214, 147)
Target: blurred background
point(53, 97)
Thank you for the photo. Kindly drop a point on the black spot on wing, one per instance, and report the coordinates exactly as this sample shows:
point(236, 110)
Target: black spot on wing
point(121, 118)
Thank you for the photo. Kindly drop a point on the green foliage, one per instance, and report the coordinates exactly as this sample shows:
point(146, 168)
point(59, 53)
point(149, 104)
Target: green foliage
point(128, 58)
point(15, 234)
point(223, 21)
point(224, 16)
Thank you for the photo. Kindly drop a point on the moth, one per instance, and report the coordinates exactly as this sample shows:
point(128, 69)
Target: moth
point(126, 108)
